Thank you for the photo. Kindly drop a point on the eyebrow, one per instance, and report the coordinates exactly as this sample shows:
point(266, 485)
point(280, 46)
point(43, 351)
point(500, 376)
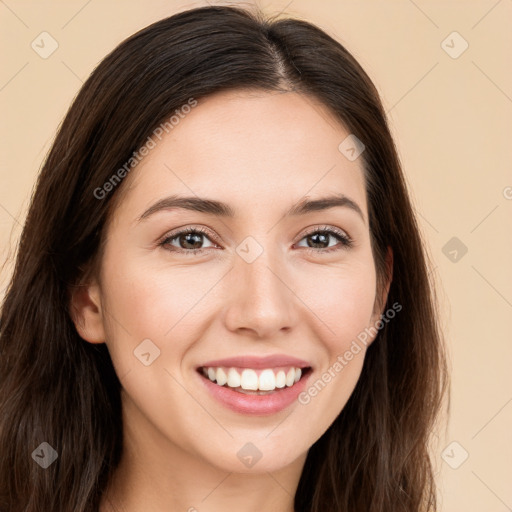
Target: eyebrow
point(220, 209)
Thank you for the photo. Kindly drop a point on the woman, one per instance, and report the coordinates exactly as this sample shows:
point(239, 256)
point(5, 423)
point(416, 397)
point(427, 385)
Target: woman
point(220, 298)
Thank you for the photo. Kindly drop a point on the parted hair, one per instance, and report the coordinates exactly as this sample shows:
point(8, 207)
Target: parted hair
point(57, 388)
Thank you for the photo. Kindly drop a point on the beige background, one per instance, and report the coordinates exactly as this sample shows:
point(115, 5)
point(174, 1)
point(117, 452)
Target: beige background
point(452, 119)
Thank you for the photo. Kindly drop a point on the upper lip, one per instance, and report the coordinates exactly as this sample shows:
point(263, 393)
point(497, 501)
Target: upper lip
point(256, 362)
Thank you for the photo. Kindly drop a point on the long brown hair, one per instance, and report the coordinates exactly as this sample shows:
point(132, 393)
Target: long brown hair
point(56, 388)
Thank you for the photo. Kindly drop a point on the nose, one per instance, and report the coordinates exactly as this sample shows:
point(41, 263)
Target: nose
point(261, 300)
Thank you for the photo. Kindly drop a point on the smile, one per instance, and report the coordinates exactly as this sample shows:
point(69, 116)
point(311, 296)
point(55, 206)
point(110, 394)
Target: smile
point(254, 381)
point(254, 391)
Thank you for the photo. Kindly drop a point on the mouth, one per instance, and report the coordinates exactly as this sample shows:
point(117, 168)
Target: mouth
point(255, 381)
point(254, 385)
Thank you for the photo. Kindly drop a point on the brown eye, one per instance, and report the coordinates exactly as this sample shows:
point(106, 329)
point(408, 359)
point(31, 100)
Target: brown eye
point(187, 241)
point(319, 240)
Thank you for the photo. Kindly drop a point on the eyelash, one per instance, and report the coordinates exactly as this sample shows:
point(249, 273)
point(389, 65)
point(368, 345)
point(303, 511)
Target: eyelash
point(346, 241)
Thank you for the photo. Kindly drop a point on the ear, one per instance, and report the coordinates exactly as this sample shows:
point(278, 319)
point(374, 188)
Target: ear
point(86, 311)
point(389, 274)
point(380, 302)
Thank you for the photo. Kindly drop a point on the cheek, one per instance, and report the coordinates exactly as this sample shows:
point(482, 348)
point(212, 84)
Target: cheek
point(153, 317)
point(342, 299)
point(344, 306)
point(150, 302)
point(143, 298)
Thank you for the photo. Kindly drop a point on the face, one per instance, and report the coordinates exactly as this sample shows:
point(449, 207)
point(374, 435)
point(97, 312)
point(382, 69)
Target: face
point(249, 294)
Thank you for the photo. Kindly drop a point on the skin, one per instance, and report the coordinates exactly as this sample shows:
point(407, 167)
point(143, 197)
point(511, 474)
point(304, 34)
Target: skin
point(260, 152)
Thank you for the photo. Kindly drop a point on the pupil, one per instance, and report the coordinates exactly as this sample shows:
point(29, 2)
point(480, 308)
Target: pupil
point(188, 238)
point(322, 235)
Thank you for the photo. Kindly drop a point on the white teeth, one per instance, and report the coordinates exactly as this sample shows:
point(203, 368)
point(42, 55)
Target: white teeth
point(249, 380)
point(233, 378)
point(268, 379)
point(280, 379)
point(290, 377)
point(221, 377)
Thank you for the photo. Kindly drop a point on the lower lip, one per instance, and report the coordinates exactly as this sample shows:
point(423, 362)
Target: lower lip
point(256, 404)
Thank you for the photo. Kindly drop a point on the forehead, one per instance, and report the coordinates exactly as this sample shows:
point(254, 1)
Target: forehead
point(251, 149)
